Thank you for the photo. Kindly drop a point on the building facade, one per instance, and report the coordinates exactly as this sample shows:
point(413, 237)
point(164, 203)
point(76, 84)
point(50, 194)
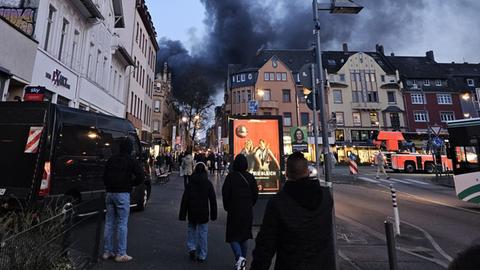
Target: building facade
point(18, 47)
point(80, 58)
point(364, 97)
point(140, 37)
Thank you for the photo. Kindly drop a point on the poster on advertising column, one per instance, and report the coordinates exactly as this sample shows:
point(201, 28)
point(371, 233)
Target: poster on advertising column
point(299, 137)
point(259, 139)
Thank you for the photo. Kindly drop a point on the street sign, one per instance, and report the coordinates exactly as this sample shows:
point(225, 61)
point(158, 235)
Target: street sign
point(252, 106)
point(436, 130)
point(437, 142)
point(309, 102)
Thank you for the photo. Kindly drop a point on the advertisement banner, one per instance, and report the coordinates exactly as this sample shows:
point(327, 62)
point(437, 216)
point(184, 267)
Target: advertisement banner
point(299, 137)
point(259, 139)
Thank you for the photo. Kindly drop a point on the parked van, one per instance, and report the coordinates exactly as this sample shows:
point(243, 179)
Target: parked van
point(52, 151)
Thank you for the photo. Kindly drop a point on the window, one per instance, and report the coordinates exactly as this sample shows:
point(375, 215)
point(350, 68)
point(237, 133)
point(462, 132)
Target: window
point(242, 77)
point(357, 119)
point(301, 96)
point(156, 126)
point(470, 82)
point(395, 121)
point(444, 98)
point(339, 118)
point(382, 78)
point(249, 95)
point(420, 116)
point(286, 95)
point(233, 78)
point(418, 99)
point(372, 96)
point(136, 37)
point(374, 119)
point(272, 76)
point(391, 97)
point(279, 76)
point(267, 113)
point(339, 135)
point(157, 106)
point(337, 97)
point(76, 40)
point(426, 82)
point(266, 76)
point(287, 119)
point(78, 140)
point(89, 63)
point(63, 36)
point(267, 95)
point(447, 116)
point(50, 21)
point(438, 83)
point(284, 76)
point(97, 63)
point(341, 77)
point(361, 135)
point(305, 118)
point(356, 96)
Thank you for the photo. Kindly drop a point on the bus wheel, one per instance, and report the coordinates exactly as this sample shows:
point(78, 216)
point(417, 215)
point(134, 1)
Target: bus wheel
point(409, 167)
point(429, 168)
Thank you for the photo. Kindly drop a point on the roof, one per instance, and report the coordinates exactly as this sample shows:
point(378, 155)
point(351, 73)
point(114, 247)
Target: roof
point(392, 109)
point(294, 59)
point(418, 67)
point(333, 61)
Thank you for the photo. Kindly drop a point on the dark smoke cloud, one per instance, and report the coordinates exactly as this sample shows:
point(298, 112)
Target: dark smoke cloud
point(236, 29)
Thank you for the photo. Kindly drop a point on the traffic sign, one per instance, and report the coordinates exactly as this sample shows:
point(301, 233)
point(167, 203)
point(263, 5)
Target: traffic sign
point(309, 102)
point(437, 142)
point(436, 130)
point(252, 106)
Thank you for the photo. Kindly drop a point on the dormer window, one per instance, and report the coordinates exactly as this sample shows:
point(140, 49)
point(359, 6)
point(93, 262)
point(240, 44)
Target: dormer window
point(438, 83)
point(233, 78)
point(242, 77)
point(470, 82)
point(426, 82)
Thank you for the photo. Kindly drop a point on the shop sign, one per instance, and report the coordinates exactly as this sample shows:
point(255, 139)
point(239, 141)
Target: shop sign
point(22, 18)
point(58, 79)
point(34, 93)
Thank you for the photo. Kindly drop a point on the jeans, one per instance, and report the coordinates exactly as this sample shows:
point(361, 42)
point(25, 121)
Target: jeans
point(116, 223)
point(197, 239)
point(239, 249)
point(381, 168)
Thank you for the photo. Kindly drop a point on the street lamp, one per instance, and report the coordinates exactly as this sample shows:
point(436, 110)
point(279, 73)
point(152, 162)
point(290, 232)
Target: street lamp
point(260, 93)
point(343, 7)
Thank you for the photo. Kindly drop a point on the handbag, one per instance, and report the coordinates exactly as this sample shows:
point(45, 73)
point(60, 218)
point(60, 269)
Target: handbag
point(244, 179)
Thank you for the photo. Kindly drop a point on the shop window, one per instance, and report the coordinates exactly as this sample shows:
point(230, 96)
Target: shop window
point(339, 135)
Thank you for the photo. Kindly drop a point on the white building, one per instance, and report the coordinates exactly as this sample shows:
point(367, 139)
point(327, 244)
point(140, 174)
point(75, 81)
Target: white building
point(80, 57)
point(140, 38)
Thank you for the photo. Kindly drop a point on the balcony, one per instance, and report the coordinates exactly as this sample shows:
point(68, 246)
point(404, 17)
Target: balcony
point(268, 104)
point(367, 106)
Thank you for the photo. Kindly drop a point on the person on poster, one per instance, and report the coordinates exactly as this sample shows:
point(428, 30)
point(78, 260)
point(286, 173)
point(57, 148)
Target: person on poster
point(264, 158)
point(299, 137)
point(249, 152)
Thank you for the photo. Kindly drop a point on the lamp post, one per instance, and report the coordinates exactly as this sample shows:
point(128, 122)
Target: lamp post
point(343, 7)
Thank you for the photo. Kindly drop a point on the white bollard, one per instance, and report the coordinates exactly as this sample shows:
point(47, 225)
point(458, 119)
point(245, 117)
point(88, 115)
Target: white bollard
point(395, 209)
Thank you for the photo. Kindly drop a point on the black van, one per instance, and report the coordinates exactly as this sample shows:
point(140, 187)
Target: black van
point(53, 151)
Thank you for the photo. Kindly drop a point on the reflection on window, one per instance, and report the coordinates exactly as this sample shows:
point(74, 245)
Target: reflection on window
point(467, 154)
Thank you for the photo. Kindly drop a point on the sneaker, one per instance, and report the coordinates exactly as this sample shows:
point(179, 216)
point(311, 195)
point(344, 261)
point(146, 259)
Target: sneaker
point(123, 258)
point(191, 255)
point(241, 264)
point(107, 255)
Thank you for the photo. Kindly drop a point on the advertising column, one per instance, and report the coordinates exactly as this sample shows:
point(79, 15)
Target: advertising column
point(259, 139)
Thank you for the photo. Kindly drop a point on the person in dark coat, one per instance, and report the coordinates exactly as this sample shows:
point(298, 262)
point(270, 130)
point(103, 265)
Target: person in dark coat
point(211, 162)
point(240, 193)
point(198, 203)
point(297, 225)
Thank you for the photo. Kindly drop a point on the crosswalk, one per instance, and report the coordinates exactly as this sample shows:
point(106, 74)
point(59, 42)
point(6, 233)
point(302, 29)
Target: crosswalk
point(392, 181)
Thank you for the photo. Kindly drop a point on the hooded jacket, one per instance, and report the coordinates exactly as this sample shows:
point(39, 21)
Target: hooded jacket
point(199, 200)
point(187, 164)
point(297, 228)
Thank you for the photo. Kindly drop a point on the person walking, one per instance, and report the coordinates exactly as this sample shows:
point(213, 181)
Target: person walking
point(297, 224)
point(239, 194)
point(198, 203)
point(187, 167)
point(211, 162)
point(380, 161)
point(118, 182)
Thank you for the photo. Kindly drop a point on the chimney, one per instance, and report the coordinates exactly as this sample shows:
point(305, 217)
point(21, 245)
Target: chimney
point(392, 54)
point(430, 56)
point(379, 49)
point(345, 48)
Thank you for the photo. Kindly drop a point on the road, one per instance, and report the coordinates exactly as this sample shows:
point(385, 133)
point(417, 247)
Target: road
point(157, 238)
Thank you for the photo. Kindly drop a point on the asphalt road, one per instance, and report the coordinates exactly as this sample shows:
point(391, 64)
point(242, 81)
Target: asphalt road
point(157, 238)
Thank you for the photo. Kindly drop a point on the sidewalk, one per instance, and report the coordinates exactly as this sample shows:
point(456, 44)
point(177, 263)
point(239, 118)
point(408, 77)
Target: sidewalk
point(157, 239)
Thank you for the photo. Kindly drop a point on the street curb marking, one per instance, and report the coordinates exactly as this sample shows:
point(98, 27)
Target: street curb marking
point(368, 180)
point(434, 243)
point(416, 181)
point(347, 259)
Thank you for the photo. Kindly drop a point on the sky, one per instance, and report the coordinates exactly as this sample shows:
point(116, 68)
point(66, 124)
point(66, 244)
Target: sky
point(215, 33)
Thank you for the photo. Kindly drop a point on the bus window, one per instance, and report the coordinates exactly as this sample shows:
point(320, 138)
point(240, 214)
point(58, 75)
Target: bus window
point(460, 154)
point(471, 154)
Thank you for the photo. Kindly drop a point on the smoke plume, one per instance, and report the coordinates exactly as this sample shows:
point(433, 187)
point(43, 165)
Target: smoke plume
point(236, 29)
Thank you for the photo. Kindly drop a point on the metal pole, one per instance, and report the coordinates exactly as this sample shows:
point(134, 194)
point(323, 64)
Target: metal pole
point(392, 252)
point(395, 209)
point(315, 120)
point(324, 123)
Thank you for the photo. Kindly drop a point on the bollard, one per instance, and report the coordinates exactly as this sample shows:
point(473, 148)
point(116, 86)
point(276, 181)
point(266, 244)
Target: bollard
point(392, 251)
point(353, 167)
point(395, 209)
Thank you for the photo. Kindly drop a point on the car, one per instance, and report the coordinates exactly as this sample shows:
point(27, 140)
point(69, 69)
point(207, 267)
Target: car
point(50, 151)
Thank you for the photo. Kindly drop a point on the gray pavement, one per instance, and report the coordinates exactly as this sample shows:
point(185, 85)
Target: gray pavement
point(157, 238)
